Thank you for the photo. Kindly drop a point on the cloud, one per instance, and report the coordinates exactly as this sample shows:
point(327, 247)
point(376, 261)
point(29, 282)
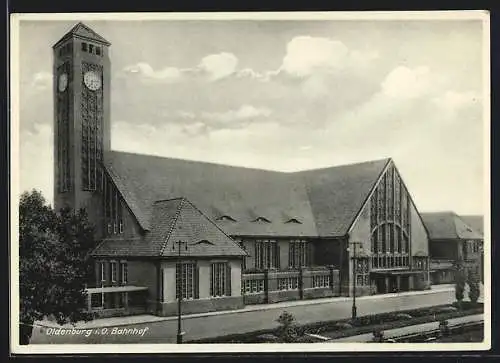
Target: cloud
point(245, 112)
point(213, 66)
point(41, 81)
point(167, 74)
point(219, 66)
point(305, 54)
point(204, 122)
point(406, 83)
point(454, 101)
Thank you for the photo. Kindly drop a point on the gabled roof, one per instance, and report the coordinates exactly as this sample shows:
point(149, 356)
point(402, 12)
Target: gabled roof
point(325, 201)
point(448, 225)
point(475, 221)
point(80, 30)
point(175, 220)
point(337, 194)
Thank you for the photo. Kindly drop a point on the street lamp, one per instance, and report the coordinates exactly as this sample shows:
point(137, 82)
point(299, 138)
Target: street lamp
point(180, 333)
point(354, 268)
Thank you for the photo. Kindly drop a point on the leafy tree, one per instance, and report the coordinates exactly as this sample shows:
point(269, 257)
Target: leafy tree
point(54, 263)
point(459, 283)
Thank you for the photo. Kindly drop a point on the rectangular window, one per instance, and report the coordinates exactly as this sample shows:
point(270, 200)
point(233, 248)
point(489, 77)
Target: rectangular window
point(91, 48)
point(266, 254)
point(113, 271)
point(298, 254)
point(84, 47)
point(124, 272)
point(102, 268)
point(321, 281)
point(186, 281)
point(220, 279)
point(253, 286)
point(288, 283)
point(98, 50)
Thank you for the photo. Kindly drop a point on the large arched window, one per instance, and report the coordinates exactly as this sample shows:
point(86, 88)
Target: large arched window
point(390, 222)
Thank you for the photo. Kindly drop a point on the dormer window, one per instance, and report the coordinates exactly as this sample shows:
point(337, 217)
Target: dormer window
point(294, 220)
point(204, 241)
point(226, 218)
point(262, 219)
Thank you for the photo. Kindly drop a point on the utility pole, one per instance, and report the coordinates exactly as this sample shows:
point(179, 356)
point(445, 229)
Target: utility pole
point(354, 270)
point(180, 333)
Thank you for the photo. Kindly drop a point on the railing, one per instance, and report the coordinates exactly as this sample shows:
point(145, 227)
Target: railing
point(439, 264)
point(274, 285)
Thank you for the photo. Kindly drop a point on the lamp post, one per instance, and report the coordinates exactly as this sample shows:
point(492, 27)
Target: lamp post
point(354, 270)
point(180, 333)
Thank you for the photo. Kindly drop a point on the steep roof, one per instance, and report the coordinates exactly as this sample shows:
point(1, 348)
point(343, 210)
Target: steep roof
point(337, 194)
point(448, 225)
point(175, 220)
point(475, 221)
point(257, 202)
point(80, 30)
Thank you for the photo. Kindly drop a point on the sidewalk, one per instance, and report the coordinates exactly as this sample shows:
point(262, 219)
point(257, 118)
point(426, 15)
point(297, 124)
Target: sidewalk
point(408, 329)
point(251, 318)
point(146, 318)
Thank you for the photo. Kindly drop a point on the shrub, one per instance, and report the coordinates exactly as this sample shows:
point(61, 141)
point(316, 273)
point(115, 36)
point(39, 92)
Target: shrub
point(404, 316)
point(378, 336)
point(286, 331)
point(474, 291)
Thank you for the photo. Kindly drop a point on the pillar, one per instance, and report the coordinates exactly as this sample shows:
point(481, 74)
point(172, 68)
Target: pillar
point(301, 283)
point(89, 301)
point(398, 280)
point(266, 286)
point(125, 300)
point(386, 284)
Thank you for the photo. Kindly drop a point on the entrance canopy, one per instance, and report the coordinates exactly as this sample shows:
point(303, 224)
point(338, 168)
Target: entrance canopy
point(397, 272)
point(128, 288)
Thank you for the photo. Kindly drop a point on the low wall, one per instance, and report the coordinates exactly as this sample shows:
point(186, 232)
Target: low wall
point(274, 286)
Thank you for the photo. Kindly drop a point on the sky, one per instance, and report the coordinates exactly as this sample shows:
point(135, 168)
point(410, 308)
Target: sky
point(282, 95)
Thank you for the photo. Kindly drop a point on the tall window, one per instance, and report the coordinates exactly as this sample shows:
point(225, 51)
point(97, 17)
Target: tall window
point(113, 210)
point(101, 274)
point(266, 254)
point(124, 272)
point(186, 281)
point(220, 279)
point(299, 254)
point(390, 222)
point(63, 133)
point(114, 272)
point(92, 113)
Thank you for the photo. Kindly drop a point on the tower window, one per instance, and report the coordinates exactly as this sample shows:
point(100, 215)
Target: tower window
point(84, 47)
point(98, 50)
point(91, 48)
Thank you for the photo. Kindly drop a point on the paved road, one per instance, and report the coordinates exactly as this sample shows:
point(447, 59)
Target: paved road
point(409, 329)
point(250, 319)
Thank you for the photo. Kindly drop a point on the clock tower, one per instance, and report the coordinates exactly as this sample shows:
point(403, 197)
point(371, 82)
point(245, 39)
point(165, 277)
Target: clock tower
point(81, 118)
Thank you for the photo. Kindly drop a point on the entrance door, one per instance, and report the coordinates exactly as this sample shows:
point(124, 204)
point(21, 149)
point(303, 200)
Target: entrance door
point(405, 283)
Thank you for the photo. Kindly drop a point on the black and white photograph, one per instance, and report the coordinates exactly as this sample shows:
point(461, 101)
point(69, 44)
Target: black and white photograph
point(203, 182)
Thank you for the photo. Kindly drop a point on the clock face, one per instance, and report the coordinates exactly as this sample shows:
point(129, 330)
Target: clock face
point(63, 82)
point(92, 80)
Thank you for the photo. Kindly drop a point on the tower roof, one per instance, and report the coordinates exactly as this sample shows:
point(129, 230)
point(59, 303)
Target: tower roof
point(82, 31)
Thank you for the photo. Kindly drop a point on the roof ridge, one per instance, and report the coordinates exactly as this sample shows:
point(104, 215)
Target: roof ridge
point(174, 222)
point(387, 159)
